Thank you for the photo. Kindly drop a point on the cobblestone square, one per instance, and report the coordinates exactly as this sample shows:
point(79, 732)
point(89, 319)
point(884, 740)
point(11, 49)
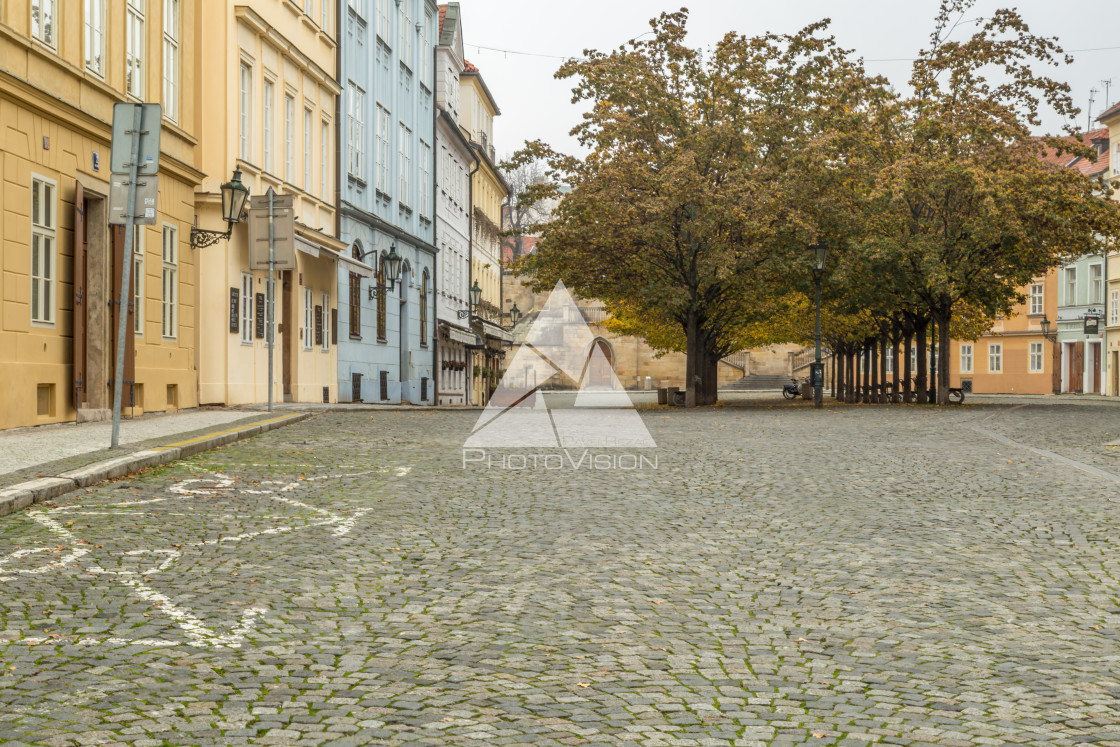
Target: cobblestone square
point(783, 576)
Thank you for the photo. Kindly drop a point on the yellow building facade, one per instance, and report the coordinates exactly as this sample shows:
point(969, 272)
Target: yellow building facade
point(1110, 118)
point(63, 71)
point(269, 112)
point(488, 191)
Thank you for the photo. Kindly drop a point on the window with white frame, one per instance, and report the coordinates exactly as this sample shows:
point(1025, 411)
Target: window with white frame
point(134, 49)
point(1036, 357)
point(355, 130)
point(425, 65)
point(425, 178)
point(246, 309)
point(324, 158)
point(383, 20)
point(95, 36)
point(405, 163)
point(289, 135)
point(325, 343)
point(308, 150)
point(44, 228)
point(170, 321)
point(171, 59)
point(382, 148)
point(1114, 308)
point(267, 113)
point(42, 21)
point(308, 318)
point(966, 358)
point(1036, 298)
point(244, 110)
point(889, 359)
point(1071, 286)
point(995, 357)
point(1096, 284)
point(406, 33)
point(138, 280)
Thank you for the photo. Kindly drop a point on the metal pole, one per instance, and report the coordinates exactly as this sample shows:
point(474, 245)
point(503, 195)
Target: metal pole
point(271, 290)
point(126, 273)
point(818, 385)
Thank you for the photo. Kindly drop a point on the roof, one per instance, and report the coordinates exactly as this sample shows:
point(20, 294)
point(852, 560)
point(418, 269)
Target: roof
point(1109, 112)
point(1069, 160)
point(471, 70)
point(448, 23)
point(469, 66)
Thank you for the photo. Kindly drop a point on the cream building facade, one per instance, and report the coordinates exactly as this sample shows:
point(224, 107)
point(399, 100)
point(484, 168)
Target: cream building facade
point(1110, 118)
point(269, 110)
point(64, 65)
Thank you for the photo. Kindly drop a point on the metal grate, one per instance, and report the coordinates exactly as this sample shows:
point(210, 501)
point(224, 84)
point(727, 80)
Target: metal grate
point(356, 387)
point(423, 388)
point(384, 385)
point(326, 395)
point(966, 385)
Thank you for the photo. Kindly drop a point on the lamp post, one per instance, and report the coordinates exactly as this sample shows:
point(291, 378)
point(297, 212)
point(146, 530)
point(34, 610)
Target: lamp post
point(1046, 333)
point(514, 316)
point(475, 300)
point(821, 253)
point(234, 196)
point(390, 266)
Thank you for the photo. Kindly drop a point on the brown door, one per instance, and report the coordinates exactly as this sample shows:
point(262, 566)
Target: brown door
point(1076, 374)
point(1095, 353)
point(130, 327)
point(287, 348)
point(79, 308)
point(1056, 368)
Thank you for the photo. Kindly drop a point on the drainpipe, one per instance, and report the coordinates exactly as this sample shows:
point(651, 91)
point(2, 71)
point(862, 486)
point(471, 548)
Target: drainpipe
point(470, 261)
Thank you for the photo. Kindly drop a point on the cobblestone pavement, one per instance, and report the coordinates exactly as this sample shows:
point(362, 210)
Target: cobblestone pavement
point(784, 576)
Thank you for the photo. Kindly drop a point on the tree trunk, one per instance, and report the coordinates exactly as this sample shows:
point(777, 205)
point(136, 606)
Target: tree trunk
point(943, 358)
point(873, 364)
point(921, 381)
point(894, 367)
point(884, 397)
point(694, 353)
point(908, 373)
point(849, 376)
point(933, 362)
point(864, 362)
point(708, 391)
point(833, 382)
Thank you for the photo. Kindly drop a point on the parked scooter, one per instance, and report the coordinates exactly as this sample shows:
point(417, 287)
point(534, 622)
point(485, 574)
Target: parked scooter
point(792, 391)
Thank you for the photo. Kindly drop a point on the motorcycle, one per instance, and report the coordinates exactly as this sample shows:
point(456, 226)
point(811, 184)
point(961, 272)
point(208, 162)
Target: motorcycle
point(793, 390)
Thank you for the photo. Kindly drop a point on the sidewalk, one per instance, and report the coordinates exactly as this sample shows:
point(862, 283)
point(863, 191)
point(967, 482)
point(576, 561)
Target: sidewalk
point(46, 461)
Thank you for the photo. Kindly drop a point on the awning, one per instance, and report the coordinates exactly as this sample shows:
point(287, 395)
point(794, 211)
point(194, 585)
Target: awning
point(496, 332)
point(307, 247)
point(356, 267)
point(455, 334)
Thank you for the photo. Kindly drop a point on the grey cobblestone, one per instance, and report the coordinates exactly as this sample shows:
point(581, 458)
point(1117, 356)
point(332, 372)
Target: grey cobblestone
point(784, 577)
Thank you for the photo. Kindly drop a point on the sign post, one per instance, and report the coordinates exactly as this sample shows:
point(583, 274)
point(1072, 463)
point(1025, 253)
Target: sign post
point(271, 291)
point(135, 148)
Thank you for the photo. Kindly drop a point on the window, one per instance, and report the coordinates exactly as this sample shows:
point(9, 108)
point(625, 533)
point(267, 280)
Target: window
point(381, 331)
point(44, 225)
point(1096, 284)
point(382, 149)
point(425, 65)
point(134, 49)
point(95, 36)
point(171, 59)
point(266, 125)
point(289, 134)
point(914, 359)
point(138, 279)
point(966, 358)
point(1036, 299)
point(321, 312)
point(1071, 286)
point(1036, 357)
point(995, 357)
point(1114, 309)
point(42, 21)
point(170, 282)
point(308, 150)
point(424, 309)
point(405, 163)
point(245, 111)
point(383, 20)
point(324, 158)
point(308, 318)
point(247, 301)
point(889, 361)
point(356, 298)
point(406, 33)
point(355, 130)
point(425, 178)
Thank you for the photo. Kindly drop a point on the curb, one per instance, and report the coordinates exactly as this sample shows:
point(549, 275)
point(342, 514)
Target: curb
point(16, 497)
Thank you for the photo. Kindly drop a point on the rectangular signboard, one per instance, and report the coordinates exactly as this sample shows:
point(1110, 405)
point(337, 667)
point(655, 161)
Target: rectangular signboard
point(124, 123)
point(260, 317)
point(284, 232)
point(147, 199)
point(235, 310)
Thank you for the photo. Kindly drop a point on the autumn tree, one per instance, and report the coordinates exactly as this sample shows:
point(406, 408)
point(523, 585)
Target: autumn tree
point(691, 205)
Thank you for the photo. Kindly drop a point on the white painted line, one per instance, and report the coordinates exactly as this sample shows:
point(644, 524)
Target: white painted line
point(192, 626)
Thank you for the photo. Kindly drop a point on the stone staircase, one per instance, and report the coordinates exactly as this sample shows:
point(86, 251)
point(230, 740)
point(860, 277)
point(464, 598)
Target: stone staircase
point(760, 383)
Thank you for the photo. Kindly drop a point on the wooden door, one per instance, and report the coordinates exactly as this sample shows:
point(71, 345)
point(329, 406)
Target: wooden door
point(78, 350)
point(130, 327)
point(1096, 362)
point(1056, 368)
point(1077, 370)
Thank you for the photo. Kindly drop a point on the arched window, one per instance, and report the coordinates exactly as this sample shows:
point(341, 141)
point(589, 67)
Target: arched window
point(356, 297)
point(381, 334)
point(424, 309)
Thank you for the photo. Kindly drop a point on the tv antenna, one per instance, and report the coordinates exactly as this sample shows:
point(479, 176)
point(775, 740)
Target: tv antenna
point(1107, 85)
point(1092, 97)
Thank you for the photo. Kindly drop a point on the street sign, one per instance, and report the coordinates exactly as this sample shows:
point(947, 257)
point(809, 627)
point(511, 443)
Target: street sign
point(816, 374)
point(1092, 324)
point(147, 196)
point(284, 232)
point(121, 148)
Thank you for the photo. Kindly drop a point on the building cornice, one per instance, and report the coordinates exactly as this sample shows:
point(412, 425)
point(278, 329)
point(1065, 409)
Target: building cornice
point(370, 219)
point(255, 21)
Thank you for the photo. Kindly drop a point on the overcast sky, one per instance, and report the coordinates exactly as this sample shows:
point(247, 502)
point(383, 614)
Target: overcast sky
point(887, 33)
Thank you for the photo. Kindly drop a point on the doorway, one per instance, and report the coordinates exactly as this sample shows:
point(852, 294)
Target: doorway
point(1093, 367)
point(601, 365)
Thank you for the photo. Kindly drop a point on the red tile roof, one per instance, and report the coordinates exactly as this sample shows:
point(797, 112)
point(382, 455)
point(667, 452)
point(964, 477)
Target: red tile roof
point(1115, 108)
point(442, 15)
point(469, 67)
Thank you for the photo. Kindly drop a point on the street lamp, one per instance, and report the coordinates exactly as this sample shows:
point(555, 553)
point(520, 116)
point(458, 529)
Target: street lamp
point(821, 253)
point(234, 195)
point(1046, 333)
point(391, 266)
point(514, 315)
point(475, 298)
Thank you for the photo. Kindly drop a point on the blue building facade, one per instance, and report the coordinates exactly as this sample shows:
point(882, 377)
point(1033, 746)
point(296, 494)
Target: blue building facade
point(385, 329)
